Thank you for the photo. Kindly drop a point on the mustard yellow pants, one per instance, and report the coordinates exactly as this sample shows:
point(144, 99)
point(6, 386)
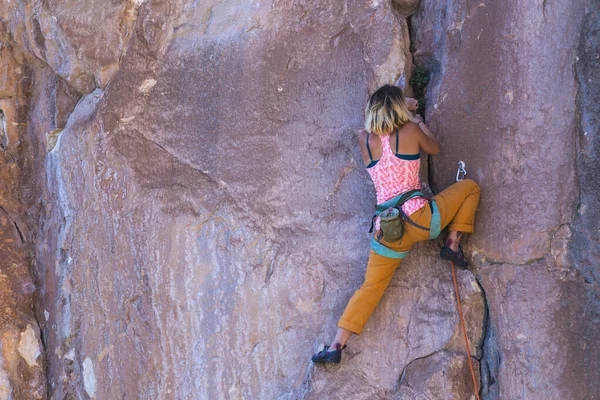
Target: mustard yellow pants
point(457, 205)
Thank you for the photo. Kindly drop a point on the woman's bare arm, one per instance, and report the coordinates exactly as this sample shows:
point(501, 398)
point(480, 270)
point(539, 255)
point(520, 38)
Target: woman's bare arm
point(428, 143)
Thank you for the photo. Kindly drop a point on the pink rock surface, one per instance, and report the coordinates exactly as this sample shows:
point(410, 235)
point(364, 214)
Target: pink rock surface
point(504, 98)
point(196, 221)
point(22, 356)
point(197, 209)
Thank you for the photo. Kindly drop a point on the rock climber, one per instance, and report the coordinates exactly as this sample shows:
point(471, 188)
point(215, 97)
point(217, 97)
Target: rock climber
point(391, 144)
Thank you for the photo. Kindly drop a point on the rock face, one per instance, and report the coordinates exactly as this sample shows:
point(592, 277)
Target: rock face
point(197, 211)
point(519, 104)
point(199, 206)
point(82, 42)
point(22, 359)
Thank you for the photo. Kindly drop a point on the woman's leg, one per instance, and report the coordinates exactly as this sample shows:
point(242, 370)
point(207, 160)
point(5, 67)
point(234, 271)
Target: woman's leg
point(341, 337)
point(453, 240)
point(458, 204)
point(378, 275)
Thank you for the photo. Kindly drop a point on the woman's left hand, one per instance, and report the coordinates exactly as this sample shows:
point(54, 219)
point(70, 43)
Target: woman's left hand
point(411, 104)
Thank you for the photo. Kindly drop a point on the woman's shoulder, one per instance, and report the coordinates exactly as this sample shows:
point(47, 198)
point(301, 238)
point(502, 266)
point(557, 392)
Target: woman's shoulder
point(408, 127)
point(409, 130)
point(362, 137)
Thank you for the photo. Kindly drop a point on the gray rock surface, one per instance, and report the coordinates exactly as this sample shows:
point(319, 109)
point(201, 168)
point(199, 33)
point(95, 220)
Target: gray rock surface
point(584, 248)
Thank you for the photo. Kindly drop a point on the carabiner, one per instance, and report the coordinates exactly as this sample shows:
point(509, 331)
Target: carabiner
point(461, 172)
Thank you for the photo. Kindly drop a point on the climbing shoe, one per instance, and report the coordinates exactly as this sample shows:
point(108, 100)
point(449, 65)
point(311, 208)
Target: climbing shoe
point(457, 257)
point(325, 356)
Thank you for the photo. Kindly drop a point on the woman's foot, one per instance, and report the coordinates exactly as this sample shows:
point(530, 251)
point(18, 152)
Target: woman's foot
point(457, 257)
point(326, 356)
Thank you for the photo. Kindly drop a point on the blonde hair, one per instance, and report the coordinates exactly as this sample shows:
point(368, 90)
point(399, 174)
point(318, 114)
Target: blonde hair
point(386, 111)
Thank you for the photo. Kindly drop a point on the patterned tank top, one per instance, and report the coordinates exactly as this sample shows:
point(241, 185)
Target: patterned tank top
point(396, 173)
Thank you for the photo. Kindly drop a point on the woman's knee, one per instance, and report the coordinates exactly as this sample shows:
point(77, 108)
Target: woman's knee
point(368, 296)
point(472, 184)
point(374, 286)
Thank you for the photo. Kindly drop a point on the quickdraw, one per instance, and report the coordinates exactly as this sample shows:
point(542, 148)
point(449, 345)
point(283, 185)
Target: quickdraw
point(461, 172)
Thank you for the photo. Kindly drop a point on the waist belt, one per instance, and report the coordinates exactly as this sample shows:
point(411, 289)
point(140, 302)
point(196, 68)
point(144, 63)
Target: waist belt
point(434, 226)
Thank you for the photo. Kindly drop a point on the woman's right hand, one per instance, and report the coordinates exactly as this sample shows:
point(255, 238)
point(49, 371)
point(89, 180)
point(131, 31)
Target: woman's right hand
point(411, 104)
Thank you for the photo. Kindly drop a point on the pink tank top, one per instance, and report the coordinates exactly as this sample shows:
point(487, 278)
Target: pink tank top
point(392, 175)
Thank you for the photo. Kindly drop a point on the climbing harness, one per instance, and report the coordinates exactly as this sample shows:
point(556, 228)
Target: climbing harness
point(391, 216)
point(461, 172)
point(460, 175)
point(396, 202)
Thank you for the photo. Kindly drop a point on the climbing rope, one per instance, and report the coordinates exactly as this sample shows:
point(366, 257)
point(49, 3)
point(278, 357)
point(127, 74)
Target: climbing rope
point(460, 175)
point(462, 322)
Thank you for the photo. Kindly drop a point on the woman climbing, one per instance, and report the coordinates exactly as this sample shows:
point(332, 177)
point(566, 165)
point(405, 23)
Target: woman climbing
point(391, 146)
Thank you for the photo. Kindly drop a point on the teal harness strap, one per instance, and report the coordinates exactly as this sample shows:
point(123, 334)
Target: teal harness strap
point(435, 226)
point(372, 162)
point(386, 251)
